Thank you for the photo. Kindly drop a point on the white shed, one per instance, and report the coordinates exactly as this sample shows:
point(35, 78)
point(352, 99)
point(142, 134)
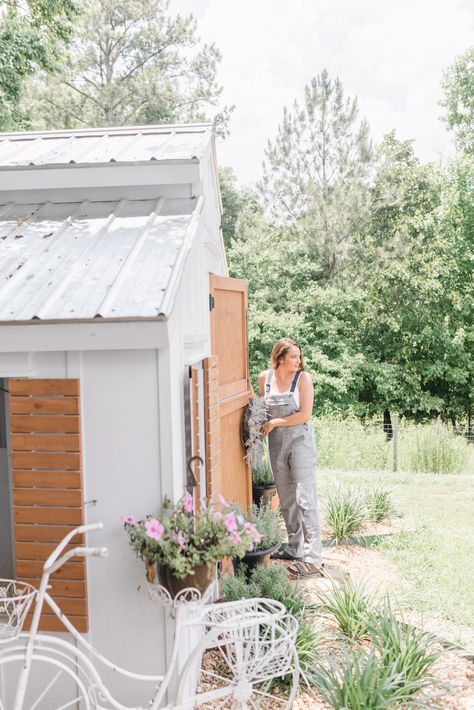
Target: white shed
point(123, 351)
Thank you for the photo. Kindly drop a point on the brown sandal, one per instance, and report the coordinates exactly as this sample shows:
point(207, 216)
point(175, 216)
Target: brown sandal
point(306, 570)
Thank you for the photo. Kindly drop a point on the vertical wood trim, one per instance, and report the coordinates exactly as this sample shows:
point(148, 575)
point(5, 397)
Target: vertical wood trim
point(212, 425)
point(196, 443)
point(48, 487)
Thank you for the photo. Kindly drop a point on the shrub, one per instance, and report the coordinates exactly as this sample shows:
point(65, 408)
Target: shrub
point(379, 503)
point(345, 511)
point(350, 445)
point(269, 525)
point(262, 474)
point(351, 605)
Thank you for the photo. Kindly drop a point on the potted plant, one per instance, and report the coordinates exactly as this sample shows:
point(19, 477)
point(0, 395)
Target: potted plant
point(269, 525)
point(180, 548)
point(263, 484)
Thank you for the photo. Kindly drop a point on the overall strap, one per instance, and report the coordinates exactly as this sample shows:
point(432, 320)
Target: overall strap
point(295, 381)
point(269, 379)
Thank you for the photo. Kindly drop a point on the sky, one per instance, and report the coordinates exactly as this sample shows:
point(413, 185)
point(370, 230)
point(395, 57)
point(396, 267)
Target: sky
point(391, 54)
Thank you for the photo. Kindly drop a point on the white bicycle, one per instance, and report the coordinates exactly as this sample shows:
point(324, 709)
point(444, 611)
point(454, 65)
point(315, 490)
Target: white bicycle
point(252, 643)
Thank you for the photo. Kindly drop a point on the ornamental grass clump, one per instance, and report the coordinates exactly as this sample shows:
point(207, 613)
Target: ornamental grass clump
point(351, 605)
point(379, 503)
point(181, 539)
point(345, 512)
point(406, 650)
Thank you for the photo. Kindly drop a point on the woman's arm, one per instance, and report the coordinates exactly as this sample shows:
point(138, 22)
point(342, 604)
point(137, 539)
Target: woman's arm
point(306, 390)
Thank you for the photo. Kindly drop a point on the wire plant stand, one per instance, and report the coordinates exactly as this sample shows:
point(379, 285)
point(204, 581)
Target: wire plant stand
point(254, 640)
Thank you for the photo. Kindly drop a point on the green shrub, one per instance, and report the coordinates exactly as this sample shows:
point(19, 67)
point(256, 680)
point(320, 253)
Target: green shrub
point(351, 605)
point(262, 474)
point(268, 523)
point(345, 511)
point(379, 503)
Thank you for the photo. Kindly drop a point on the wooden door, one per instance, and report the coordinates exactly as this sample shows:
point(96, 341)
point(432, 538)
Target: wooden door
point(229, 387)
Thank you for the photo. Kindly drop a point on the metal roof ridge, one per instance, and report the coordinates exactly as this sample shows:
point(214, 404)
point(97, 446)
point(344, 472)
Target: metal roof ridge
point(109, 130)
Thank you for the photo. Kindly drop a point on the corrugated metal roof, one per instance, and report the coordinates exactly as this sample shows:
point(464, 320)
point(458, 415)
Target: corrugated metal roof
point(85, 260)
point(107, 145)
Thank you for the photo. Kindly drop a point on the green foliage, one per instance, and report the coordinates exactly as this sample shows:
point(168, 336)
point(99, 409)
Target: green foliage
point(262, 474)
point(349, 444)
point(351, 605)
point(379, 503)
point(458, 100)
point(404, 649)
point(129, 64)
point(359, 681)
point(237, 204)
point(434, 449)
point(32, 38)
point(345, 511)
point(268, 523)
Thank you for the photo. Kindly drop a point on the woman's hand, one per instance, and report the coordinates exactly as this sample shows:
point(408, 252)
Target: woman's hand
point(268, 426)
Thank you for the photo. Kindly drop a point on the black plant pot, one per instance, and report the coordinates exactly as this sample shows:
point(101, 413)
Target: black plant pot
point(252, 559)
point(264, 493)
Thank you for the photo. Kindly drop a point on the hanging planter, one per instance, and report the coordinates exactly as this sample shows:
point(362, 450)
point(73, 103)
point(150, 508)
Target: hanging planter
point(254, 558)
point(263, 485)
point(180, 549)
point(269, 525)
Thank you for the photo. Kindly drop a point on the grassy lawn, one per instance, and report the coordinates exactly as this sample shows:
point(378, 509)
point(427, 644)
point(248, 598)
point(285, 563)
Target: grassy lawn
point(436, 553)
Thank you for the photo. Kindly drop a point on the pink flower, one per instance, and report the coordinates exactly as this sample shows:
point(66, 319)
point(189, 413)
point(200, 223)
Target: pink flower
point(154, 529)
point(179, 538)
point(230, 522)
point(253, 532)
point(217, 515)
point(221, 499)
point(235, 537)
point(129, 520)
point(188, 505)
point(240, 519)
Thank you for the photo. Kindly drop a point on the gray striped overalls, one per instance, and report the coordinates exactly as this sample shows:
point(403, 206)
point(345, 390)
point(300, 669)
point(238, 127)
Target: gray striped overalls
point(293, 458)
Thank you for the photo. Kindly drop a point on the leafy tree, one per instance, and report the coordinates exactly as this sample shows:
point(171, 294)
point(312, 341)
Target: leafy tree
point(237, 204)
point(131, 63)
point(32, 36)
point(414, 331)
point(316, 172)
point(458, 101)
point(285, 300)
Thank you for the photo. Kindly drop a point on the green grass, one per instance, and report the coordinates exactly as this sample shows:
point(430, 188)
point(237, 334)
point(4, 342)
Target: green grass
point(436, 556)
point(350, 445)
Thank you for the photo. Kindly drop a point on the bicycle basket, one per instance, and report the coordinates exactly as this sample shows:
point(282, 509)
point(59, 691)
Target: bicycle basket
point(15, 601)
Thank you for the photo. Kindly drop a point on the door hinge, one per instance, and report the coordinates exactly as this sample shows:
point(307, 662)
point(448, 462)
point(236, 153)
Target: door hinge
point(212, 302)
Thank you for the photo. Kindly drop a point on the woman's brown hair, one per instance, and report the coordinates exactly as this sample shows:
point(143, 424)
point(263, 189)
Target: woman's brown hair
point(280, 349)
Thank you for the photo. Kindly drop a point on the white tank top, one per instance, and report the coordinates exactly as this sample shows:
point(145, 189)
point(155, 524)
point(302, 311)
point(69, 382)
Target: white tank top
point(296, 391)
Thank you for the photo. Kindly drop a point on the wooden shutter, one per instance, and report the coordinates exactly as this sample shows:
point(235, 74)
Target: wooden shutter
point(47, 488)
point(229, 341)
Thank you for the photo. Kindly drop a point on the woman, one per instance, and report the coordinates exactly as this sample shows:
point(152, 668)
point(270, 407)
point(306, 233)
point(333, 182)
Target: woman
point(288, 391)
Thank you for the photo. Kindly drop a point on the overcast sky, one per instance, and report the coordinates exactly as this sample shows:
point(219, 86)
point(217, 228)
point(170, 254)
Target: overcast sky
point(391, 54)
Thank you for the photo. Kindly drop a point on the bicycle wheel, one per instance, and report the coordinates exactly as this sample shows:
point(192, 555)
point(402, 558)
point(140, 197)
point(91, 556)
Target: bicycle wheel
point(249, 665)
point(55, 681)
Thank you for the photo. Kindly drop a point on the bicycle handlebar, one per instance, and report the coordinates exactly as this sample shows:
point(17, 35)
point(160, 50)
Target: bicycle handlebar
point(75, 552)
point(50, 562)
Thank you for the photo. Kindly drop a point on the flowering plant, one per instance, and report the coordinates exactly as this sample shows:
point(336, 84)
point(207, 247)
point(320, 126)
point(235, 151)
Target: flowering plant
point(181, 539)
